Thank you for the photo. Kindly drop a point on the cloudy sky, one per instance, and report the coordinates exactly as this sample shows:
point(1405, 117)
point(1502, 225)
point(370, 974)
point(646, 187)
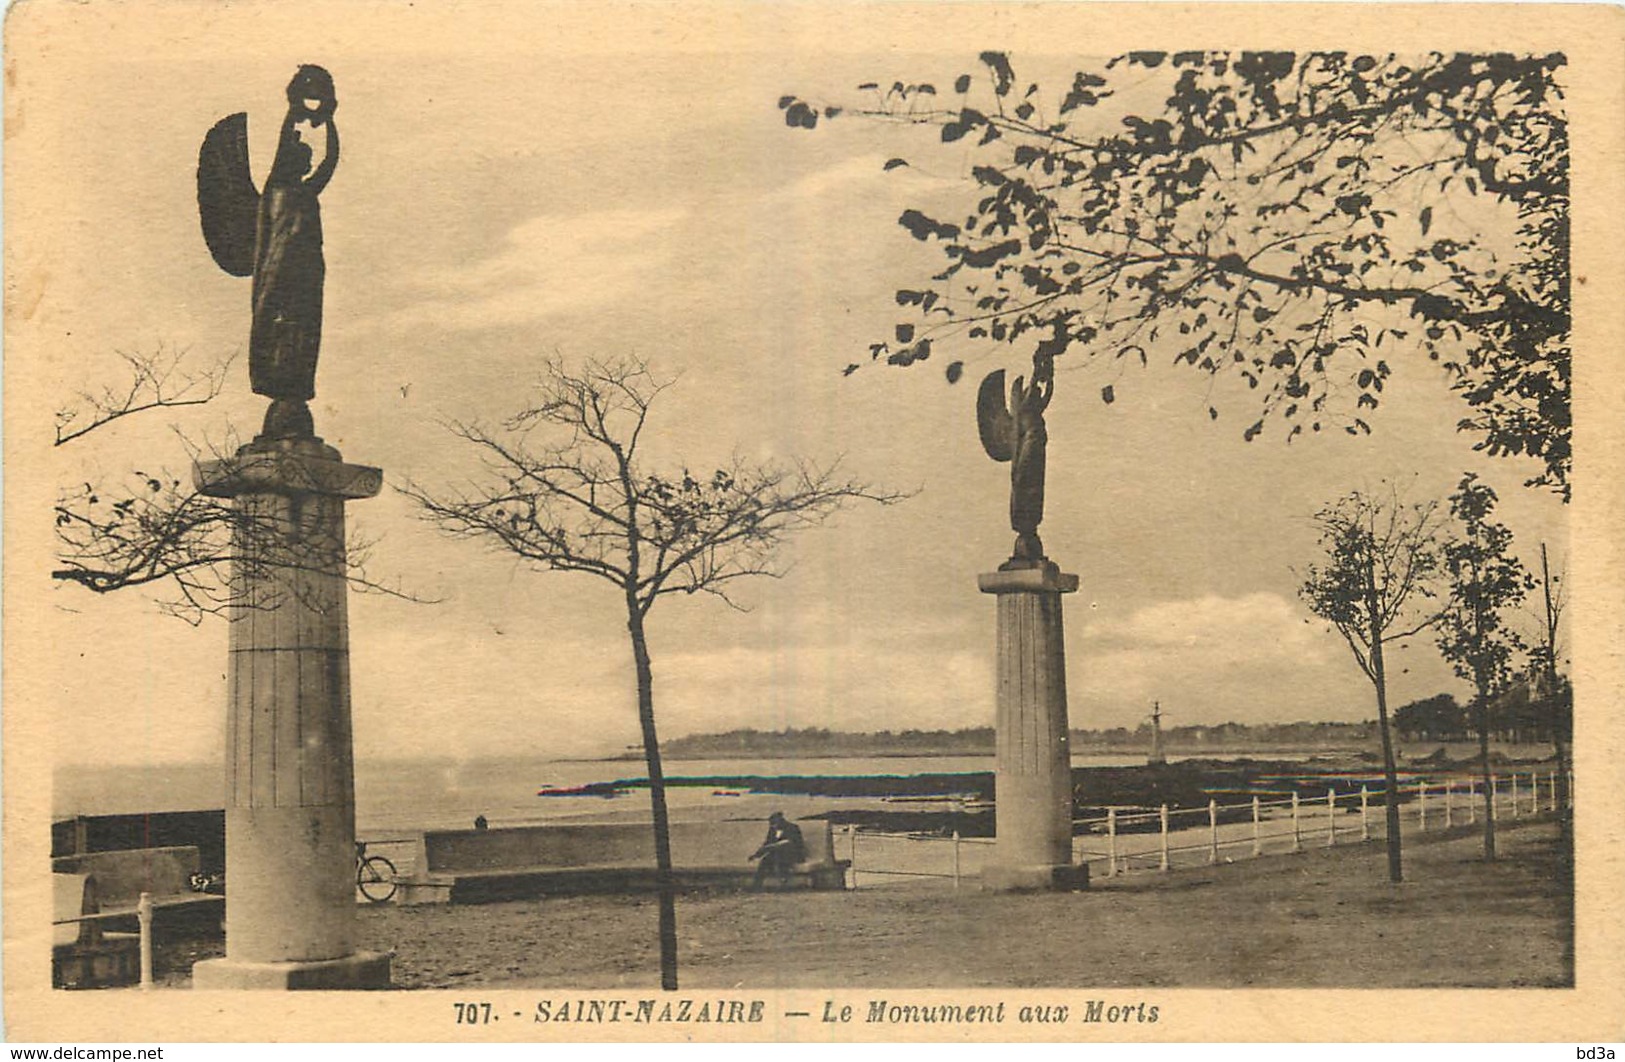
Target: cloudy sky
point(511, 191)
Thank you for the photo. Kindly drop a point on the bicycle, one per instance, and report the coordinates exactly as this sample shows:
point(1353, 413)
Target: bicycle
point(374, 875)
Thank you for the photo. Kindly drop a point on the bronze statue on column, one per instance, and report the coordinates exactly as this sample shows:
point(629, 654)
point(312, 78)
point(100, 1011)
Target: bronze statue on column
point(1016, 433)
point(276, 237)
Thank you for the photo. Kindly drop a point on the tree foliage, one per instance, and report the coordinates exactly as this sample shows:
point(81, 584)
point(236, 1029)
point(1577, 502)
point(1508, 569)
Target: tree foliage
point(1379, 572)
point(1484, 579)
point(1436, 718)
point(1296, 220)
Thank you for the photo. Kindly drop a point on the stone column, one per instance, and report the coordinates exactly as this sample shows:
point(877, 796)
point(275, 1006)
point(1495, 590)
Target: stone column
point(1034, 764)
point(290, 780)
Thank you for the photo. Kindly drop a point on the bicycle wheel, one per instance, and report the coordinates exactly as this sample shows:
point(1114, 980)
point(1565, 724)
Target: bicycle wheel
point(375, 877)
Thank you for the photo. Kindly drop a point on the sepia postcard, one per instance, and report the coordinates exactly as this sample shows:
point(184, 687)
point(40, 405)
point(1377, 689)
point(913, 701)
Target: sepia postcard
point(824, 522)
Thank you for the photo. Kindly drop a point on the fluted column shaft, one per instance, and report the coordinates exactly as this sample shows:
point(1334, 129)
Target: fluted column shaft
point(290, 780)
point(1033, 767)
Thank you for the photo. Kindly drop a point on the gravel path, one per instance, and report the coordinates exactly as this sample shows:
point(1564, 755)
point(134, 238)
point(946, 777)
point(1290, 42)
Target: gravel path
point(1322, 918)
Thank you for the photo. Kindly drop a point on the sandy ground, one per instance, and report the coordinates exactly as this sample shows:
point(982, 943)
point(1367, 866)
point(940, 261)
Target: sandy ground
point(1325, 917)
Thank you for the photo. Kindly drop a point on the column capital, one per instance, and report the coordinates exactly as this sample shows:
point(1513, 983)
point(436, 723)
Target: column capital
point(1045, 579)
point(286, 466)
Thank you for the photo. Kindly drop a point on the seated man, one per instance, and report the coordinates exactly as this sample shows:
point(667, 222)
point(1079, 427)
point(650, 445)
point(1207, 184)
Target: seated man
point(781, 851)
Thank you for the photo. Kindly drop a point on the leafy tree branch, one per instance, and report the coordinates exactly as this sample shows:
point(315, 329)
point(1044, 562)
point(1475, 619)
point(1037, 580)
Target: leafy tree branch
point(1294, 220)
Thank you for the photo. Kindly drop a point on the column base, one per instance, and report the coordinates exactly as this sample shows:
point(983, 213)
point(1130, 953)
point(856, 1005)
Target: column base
point(363, 970)
point(996, 878)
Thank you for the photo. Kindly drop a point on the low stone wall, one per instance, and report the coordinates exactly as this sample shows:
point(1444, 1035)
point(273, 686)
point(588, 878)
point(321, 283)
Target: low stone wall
point(203, 830)
point(471, 865)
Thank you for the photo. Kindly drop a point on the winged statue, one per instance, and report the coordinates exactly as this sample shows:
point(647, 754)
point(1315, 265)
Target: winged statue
point(275, 236)
point(1015, 433)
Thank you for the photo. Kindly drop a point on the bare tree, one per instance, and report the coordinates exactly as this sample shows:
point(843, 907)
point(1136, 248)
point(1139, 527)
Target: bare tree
point(155, 379)
point(1556, 694)
point(156, 530)
point(564, 488)
point(1380, 565)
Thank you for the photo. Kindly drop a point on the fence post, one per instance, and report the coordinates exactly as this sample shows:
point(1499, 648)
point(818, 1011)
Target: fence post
point(1571, 789)
point(1516, 810)
point(1297, 837)
point(143, 913)
point(1449, 791)
point(1365, 806)
point(1551, 782)
point(1258, 839)
point(1495, 795)
point(1422, 807)
point(1212, 831)
point(1111, 842)
point(1472, 801)
point(1164, 816)
point(1331, 817)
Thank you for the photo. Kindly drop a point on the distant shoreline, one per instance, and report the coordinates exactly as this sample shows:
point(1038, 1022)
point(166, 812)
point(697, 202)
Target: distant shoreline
point(405, 794)
point(1188, 752)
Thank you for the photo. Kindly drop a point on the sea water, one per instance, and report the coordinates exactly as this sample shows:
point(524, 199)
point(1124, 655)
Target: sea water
point(401, 796)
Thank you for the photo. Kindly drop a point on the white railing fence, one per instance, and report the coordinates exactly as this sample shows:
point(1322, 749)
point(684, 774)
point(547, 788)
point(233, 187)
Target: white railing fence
point(1125, 840)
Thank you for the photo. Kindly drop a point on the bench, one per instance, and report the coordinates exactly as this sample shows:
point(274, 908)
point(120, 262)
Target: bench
point(83, 954)
point(122, 876)
point(471, 866)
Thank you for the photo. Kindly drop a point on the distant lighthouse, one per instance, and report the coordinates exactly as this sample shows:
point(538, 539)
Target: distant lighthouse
point(1158, 756)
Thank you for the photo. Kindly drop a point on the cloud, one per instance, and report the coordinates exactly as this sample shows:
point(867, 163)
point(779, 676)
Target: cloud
point(1252, 624)
point(831, 180)
point(548, 265)
point(1247, 658)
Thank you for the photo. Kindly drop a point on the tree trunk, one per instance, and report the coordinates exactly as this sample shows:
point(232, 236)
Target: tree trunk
point(1484, 771)
point(1559, 715)
point(1379, 679)
point(665, 887)
point(1390, 774)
